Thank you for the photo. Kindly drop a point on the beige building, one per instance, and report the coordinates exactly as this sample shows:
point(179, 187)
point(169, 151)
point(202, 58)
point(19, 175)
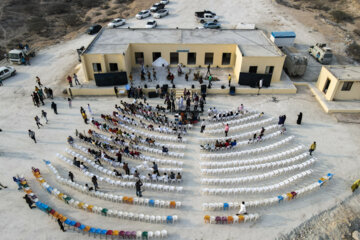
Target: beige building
point(249, 53)
point(340, 82)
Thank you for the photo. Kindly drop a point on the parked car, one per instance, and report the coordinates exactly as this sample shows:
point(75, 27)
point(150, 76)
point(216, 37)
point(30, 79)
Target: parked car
point(151, 24)
point(213, 25)
point(161, 13)
point(117, 22)
point(165, 1)
point(206, 17)
point(143, 14)
point(6, 72)
point(200, 14)
point(94, 29)
point(156, 7)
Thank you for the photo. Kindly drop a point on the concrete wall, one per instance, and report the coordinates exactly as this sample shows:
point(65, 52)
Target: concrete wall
point(320, 84)
point(353, 94)
point(237, 65)
point(199, 49)
point(262, 63)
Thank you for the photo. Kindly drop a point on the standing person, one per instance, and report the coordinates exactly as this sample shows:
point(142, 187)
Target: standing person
point(54, 107)
point(210, 79)
point(312, 148)
point(229, 79)
point(131, 79)
point(32, 135)
point(260, 85)
point(51, 93)
point(1, 83)
point(155, 167)
point(71, 176)
point(149, 76)
point(208, 70)
point(299, 119)
point(61, 225)
point(94, 181)
point(116, 91)
point(84, 116)
point(37, 120)
point(202, 126)
point(38, 82)
point(154, 74)
point(89, 108)
point(69, 79)
point(227, 128)
point(29, 201)
point(2, 186)
point(69, 101)
point(76, 79)
point(17, 180)
point(138, 185)
point(242, 210)
point(187, 77)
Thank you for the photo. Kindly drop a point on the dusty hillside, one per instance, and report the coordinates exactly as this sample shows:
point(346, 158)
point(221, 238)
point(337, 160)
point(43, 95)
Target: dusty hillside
point(344, 15)
point(45, 22)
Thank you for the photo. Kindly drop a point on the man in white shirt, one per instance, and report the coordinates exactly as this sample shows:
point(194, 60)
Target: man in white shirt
point(202, 126)
point(242, 210)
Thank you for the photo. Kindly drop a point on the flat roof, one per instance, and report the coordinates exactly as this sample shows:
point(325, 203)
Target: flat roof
point(250, 42)
point(283, 34)
point(345, 72)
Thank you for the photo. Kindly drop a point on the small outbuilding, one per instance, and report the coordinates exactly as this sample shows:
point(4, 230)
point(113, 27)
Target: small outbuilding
point(339, 82)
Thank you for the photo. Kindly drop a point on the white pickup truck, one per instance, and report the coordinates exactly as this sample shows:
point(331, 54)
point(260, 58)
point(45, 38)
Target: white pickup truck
point(206, 16)
point(16, 55)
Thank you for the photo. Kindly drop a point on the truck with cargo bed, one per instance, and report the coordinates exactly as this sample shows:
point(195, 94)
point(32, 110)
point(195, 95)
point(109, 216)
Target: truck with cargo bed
point(295, 62)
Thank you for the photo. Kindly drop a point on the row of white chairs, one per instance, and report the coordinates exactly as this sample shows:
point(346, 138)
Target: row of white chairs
point(248, 152)
point(111, 212)
point(145, 134)
point(212, 148)
point(163, 129)
point(237, 114)
point(158, 151)
point(254, 167)
point(268, 201)
point(240, 127)
point(247, 218)
point(109, 196)
point(246, 135)
point(143, 166)
point(254, 190)
point(144, 157)
point(188, 126)
point(236, 121)
point(268, 158)
point(259, 177)
point(123, 184)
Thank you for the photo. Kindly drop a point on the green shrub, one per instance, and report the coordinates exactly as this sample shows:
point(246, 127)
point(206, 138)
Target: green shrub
point(353, 51)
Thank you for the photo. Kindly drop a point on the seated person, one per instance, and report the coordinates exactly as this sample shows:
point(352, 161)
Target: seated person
point(178, 176)
point(172, 175)
point(165, 149)
point(233, 143)
point(179, 137)
point(154, 176)
point(117, 174)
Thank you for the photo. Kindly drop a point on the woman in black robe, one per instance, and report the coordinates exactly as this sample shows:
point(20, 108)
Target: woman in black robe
point(299, 118)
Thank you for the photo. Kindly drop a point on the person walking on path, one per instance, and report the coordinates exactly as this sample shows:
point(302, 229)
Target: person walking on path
point(154, 74)
point(44, 115)
point(71, 176)
point(312, 148)
point(227, 128)
point(17, 180)
point(37, 120)
point(76, 80)
point(89, 108)
point(61, 225)
point(229, 79)
point(54, 107)
point(202, 126)
point(29, 201)
point(69, 101)
point(210, 79)
point(299, 119)
point(38, 82)
point(94, 181)
point(32, 135)
point(69, 79)
point(138, 185)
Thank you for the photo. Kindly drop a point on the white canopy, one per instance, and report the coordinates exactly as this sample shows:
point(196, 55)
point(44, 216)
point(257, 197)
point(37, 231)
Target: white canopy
point(160, 62)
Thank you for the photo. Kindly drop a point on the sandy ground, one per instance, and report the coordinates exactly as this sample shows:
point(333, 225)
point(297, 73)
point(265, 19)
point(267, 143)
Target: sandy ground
point(337, 147)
